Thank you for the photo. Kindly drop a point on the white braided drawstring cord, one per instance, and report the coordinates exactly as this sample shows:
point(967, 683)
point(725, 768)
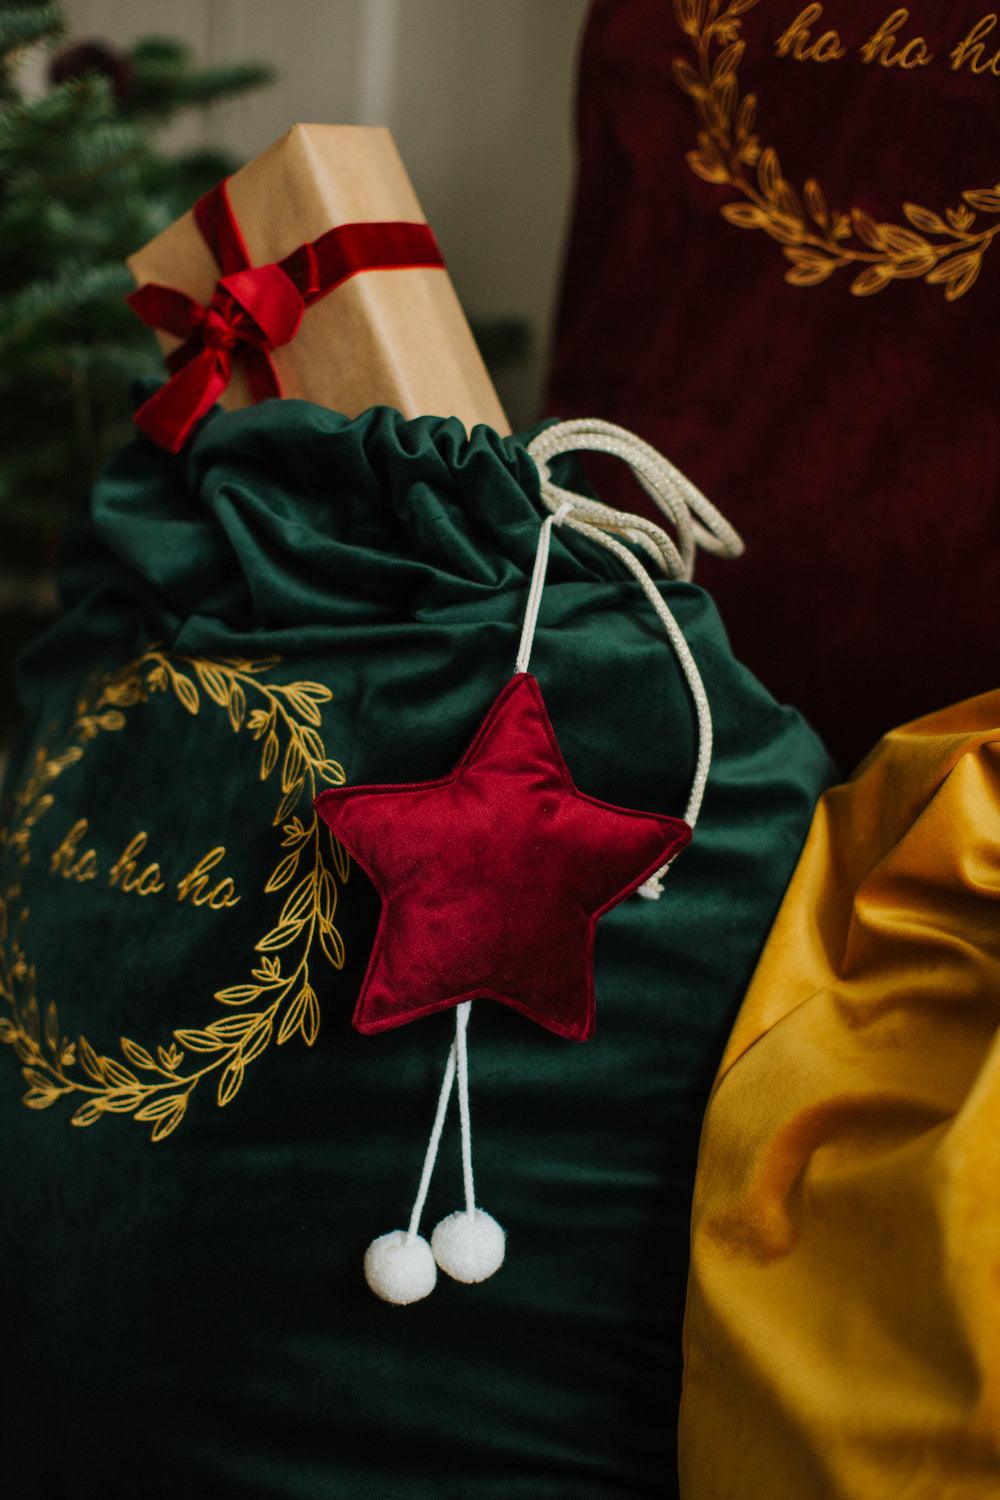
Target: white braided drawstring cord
point(469, 1244)
point(697, 521)
point(697, 524)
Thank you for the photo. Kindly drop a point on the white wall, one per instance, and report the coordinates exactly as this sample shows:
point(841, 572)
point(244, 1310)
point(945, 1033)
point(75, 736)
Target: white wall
point(479, 96)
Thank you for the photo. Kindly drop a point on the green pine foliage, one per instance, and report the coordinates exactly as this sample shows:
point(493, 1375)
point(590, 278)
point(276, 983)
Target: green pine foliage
point(82, 185)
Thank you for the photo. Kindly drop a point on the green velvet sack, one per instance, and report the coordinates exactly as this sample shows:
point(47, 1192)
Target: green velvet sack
point(295, 598)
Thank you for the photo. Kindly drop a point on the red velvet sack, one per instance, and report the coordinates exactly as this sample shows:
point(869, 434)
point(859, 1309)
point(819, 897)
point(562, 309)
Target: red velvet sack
point(798, 301)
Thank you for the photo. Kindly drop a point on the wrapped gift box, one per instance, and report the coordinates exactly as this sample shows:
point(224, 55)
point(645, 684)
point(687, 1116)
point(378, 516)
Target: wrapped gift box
point(396, 337)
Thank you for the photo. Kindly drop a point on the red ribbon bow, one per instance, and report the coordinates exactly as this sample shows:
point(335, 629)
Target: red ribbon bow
point(254, 309)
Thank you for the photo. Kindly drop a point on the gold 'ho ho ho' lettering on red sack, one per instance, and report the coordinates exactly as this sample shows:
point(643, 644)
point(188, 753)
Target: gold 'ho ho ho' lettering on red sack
point(944, 249)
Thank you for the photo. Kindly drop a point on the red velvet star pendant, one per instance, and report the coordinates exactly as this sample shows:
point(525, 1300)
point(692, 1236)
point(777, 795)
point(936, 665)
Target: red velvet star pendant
point(493, 878)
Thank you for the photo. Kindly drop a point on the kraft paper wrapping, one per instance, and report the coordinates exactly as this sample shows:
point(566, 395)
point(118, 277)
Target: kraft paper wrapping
point(397, 338)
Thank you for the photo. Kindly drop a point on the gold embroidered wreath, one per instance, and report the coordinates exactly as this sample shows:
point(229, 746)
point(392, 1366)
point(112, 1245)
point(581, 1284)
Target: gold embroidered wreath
point(946, 251)
point(278, 1000)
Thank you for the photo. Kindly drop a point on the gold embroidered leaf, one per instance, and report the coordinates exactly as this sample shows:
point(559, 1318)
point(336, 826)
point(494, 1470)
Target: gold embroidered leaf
point(123, 1101)
point(923, 218)
point(170, 1058)
point(686, 13)
point(87, 1114)
point(288, 803)
point(728, 61)
point(816, 202)
point(871, 280)
point(231, 1079)
point(302, 704)
point(135, 1053)
point(257, 722)
point(947, 271)
point(783, 228)
point(113, 719)
point(270, 969)
point(310, 1018)
point(198, 1041)
point(722, 100)
point(744, 215)
point(186, 692)
point(959, 285)
point(7, 1030)
point(237, 707)
point(238, 994)
point(284, 871)
point(332, 944)
point(327, 893)
point(293, 1015)
point(292, 833)
point(52, 1026)
point(123, 694)
point(917, 264)
point(29, 1019)
point(116, 1073)
point(711, 170)
point(867, 231)
point(341, 862)
point(41, 1098)
point(232, 1028)
point(39, 810)
point(258, 665)
point(960, 218)
point(745, 116)
point(90, 1062)
point(158, 1108)
point(331, 771)
point(36, 1079)
point(317, 691)
point(278, 937)
point(257, 1042)
point(291, 766)
point(686, 77)
point(312, 743)
point(270, 756)
point(902, 241)
point(170, 1122)
point(769, 173)
point(214, 682)
point(987, 199)
point(300, 902)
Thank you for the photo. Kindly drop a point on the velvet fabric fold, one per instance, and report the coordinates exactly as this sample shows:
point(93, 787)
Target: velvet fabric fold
point(843, 1322)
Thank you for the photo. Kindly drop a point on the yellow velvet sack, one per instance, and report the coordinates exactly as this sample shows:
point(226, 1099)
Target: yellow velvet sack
point(843, 1318)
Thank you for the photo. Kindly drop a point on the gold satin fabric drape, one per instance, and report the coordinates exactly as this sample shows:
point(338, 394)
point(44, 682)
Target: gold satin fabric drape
point(843, 1320)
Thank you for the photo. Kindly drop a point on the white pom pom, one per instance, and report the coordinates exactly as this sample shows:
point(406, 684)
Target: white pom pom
point(469, 1247)
point(399, 1269)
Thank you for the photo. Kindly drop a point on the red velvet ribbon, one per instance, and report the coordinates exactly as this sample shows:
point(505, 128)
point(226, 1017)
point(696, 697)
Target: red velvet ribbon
point(254, 309)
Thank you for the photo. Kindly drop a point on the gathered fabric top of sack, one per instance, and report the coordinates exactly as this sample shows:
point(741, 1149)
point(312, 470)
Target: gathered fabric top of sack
point(296, 601)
